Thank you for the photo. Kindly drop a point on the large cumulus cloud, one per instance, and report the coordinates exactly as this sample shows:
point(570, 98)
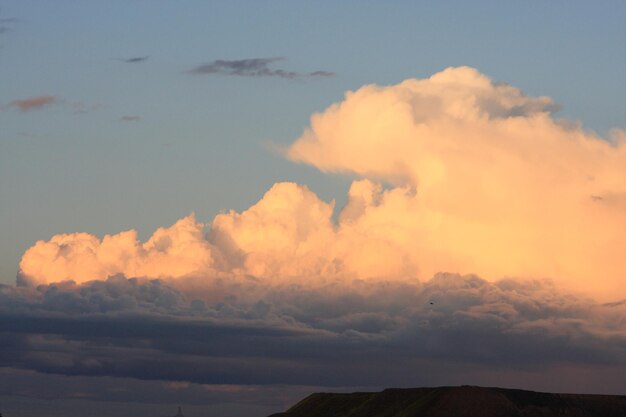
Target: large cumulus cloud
point(170, 252)
point(460, 174)
point(289, 235)
point(503, 187)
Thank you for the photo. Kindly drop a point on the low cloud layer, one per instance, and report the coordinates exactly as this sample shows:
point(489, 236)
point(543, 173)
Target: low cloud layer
point(47, 393)
point(340, 333)
point(254, 67)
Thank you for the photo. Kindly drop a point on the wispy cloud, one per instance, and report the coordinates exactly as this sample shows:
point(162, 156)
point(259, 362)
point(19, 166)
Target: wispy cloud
point(39, 102)
point(254, 67)
point(130, 118)
point(134, 60)
point(3, 24)
point(79, 107)
point(33, 103)
point(320, 73)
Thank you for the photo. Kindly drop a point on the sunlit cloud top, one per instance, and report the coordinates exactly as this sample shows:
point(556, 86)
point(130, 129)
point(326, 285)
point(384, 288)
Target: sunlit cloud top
point(459, 174)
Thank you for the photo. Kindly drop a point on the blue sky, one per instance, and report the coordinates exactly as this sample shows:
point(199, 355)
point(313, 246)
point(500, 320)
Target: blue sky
point(127, 136)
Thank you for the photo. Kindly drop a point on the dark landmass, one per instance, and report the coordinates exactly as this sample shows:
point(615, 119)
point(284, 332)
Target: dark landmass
point(465, 401)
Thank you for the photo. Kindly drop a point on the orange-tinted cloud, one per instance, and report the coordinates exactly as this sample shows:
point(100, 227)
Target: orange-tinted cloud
point(288, 236)
point(480, 179)
point(502, 187)
point(32, 103)
point(170, 253)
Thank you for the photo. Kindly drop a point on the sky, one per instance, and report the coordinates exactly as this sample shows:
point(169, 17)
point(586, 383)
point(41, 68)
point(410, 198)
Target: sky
point(230, 205)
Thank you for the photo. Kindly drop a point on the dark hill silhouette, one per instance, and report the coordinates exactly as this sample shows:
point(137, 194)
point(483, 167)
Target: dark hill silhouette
point(462, 401)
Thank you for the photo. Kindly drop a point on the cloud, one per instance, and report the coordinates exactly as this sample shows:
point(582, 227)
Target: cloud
point(33, 103)
point(130, 118)
point(171, 252)
point(3, 24)
point(322, 74)
point(29, 393)
point(125, 390)
point(288, 236)
point(79, 107)
point(134, 60)
point(39, 102)
point(502, 187)
point(458, 174)
point(254, 67)
point(335, 334)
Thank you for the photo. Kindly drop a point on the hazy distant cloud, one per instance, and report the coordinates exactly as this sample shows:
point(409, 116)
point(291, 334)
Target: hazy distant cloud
point(32, 103)
point(134, 60)
point(39, 102)
point(130, 118)
point(3, 24)
point(321, 74)
point(254, 67)
point(79, 107)
point(124, 390)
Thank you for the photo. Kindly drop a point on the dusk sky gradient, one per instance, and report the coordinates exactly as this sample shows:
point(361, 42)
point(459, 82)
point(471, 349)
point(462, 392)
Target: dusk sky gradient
point(229, 205)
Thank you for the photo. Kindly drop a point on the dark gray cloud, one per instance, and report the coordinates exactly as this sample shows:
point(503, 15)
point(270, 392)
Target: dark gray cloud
point(54, 387)
point(452, 329)
point(29, 393)
point(254, 67)
point(321, 74)
point(135, 59)
point(5, 24)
